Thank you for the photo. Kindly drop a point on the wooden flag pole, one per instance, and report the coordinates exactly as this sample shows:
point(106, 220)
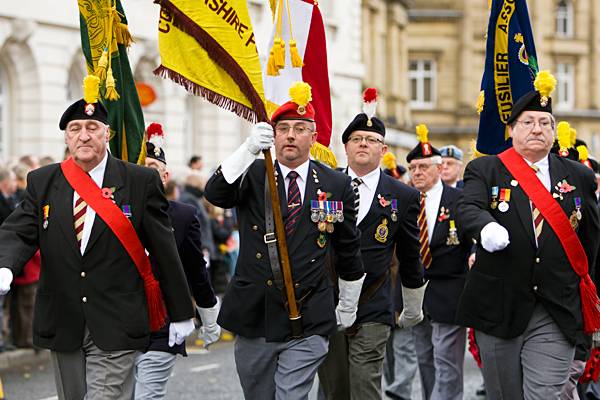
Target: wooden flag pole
point(293, 312)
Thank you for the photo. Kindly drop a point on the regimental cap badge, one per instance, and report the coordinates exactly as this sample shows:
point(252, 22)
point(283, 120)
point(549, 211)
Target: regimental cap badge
point(544, 83)
point(89, 109)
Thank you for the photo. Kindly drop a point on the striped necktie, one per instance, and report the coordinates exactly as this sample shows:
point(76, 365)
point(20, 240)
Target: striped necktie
point(424, 235)
point(356, 182)
point(79, 217)
point(538, 219)
point(294, 204)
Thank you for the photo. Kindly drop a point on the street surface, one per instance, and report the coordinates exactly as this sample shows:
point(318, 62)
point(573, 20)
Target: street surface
point(203, 374)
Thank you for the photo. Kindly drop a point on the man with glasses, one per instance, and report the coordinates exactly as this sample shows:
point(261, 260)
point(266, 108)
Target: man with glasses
point(318, 209)
point(387, 219)
point(439, 340)
point(535, 218)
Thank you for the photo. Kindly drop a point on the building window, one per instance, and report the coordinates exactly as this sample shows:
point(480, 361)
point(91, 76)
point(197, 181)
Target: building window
point(3, 113)
point(564, 18)
point(565, 89)
point(422, 83)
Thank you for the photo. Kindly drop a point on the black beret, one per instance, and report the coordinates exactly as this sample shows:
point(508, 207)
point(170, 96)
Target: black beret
point(82, 110)
point(422, 150)
point(399, 169)
point(361, 123)
point(155, 152)
point(530, 101)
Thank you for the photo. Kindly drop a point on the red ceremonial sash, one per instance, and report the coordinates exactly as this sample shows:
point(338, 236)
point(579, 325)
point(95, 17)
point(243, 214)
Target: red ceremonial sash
point(120, 225)
point(555, 216)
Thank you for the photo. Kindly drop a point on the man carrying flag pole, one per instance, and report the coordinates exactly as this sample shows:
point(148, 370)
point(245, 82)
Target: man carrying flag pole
point(281, 308)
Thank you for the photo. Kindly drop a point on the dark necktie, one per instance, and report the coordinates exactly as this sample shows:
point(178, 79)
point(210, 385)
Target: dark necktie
point(538, 219)
point(294, 204)
point(356, 182)
point(79, 217)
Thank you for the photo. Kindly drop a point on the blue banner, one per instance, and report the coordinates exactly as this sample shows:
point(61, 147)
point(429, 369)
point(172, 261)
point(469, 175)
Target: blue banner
point(510, 69)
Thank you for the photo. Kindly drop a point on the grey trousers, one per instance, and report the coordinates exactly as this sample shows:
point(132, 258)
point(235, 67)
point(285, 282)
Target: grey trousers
point(400, 364)
point(93, 374)
point(278, 370)
point(440, 350)
point(354, 364)
point(534, 365)
point(152, 371)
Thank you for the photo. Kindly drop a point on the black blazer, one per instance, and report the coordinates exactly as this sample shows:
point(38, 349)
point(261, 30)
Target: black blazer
point(186, 228)
point(114, 309)
point(503, 287)
point(253, 306)
point(5, 208)
point(403, 235)
point(448, 269)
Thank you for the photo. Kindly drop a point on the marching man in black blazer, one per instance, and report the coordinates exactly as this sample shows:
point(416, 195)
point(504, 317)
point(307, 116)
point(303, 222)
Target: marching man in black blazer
point(97, 297)
point(153, 367)
point(439, 340)
point(387, 219)
point(529, 295)
point(318, 209)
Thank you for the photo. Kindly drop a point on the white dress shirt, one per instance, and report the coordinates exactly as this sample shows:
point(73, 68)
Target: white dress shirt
point(543, 172)
point(97, 175)
point(432, 205)
point(302, 171)
point(366, 190)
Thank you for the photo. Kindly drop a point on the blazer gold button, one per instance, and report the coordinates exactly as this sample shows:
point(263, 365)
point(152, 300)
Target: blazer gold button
point(296, 285)
point(535, 288)
point(269, 283)
point(254, 227)
point(84, 299)
point(82, 274)
point(258, 256)
point(537, 260)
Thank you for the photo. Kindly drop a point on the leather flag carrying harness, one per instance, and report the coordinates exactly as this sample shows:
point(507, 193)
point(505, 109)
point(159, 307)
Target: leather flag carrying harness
point(556, 217)
point(124, 231)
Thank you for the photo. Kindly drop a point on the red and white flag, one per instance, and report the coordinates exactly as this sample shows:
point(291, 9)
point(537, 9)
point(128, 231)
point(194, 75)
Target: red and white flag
point(308, 33)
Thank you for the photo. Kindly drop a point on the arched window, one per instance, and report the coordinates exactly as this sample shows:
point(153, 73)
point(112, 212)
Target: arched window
point(74, 90)
point(564, 18)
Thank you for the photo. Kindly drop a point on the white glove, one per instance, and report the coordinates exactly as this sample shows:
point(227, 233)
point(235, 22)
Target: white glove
point(345, 312)
point(209, 332)
point(178, 331)
point(494, 237)
point(6, 277)
point(261, 138)
point(412, 312)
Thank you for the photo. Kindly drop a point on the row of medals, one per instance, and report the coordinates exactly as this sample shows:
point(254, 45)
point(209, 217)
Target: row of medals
point(325, 220)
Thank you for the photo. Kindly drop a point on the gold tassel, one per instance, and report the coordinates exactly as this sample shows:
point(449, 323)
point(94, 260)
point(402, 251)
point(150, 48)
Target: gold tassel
point(111, 91)
point(123, 35)
point(271, 68)
point(279, 52)
point(296, 60)
point(102, 65)
point(323, 154)
point(480, 101)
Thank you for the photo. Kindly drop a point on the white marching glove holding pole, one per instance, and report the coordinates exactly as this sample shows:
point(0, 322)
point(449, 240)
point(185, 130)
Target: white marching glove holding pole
point(261, 138)
point(345, 312)
point(6, 277)
point(178, 331)
point(494, 237)
point(412, 312)
point(209, 332)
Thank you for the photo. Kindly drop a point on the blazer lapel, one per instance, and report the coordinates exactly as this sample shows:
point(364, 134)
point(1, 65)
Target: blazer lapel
point(520, 201)
point(438, 232)
point(112, 178)
point(557, 174)
point(63, 212)
point(280, 179)
point(375, 209)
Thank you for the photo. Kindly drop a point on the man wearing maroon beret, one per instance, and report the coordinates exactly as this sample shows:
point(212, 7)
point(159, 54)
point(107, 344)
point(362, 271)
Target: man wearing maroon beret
point(317, 205)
